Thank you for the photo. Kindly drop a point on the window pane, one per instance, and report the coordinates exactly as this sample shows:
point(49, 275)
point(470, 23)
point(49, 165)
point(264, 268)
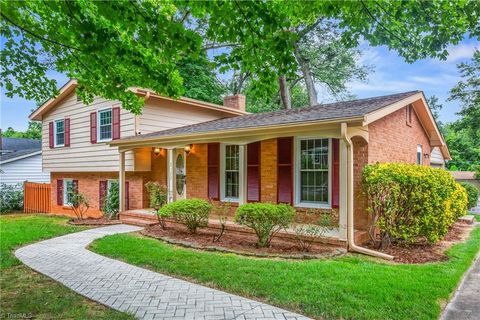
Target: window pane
point(68, 192)
point(59, 133)
point(105, 118)
point(232, 165)
point(314, 170)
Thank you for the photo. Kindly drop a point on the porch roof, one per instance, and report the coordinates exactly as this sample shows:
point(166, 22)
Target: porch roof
point(353, 110)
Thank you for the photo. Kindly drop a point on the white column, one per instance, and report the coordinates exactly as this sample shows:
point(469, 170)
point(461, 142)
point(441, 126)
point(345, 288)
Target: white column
point(170, 175)
point(121, 181)
point(342, 224)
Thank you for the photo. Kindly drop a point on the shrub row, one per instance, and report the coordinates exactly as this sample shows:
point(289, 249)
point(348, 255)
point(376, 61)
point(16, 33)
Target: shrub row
point(409, 203)
point(472, 193)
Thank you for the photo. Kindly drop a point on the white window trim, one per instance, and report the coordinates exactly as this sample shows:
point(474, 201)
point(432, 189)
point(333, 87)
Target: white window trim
point(419, 149)
point(65, 192)
point(241, 173)
point(98, 124)
point(304, 204)
point(55, 144)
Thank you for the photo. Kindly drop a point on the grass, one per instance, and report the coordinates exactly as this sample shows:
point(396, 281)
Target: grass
point(477, 217)
point(25, 293)
point(350, 287)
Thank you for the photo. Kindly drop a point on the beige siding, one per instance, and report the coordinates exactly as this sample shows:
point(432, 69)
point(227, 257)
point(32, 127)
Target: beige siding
point(83, 156)
point(159, 114)
point(436, 158)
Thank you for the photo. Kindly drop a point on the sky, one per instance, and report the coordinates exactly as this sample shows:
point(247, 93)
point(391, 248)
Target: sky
point(391, 75)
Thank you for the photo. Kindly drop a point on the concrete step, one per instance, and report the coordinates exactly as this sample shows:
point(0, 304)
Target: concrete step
point(138, 222)
point(138, 215)
point(466, 219)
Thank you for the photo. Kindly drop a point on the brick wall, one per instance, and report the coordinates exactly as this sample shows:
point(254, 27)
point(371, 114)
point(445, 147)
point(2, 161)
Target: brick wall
point(268, 170)
point(89, 185)
point(392, 140)
point(159, 167)
point(360, 160)
point(197, 179)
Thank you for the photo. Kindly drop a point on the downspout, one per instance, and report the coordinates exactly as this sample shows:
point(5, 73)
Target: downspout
point(350, 230)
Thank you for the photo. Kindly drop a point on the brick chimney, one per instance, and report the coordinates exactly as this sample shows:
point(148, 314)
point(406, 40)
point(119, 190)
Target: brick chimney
point(235, 102)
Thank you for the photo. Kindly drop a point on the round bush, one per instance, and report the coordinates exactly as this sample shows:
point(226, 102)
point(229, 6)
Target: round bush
point(472, 193)
point(265, 219)
point(409, 203)
point(193, 213)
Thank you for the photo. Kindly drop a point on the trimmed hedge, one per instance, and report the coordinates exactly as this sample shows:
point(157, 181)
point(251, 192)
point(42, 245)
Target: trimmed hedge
point(410, 203)
point(265, 219)
point(472, 193)
point(193, 213)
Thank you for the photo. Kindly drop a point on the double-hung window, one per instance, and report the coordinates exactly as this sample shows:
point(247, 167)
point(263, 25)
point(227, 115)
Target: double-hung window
point(67, 192)
point(59, 134)
point(419, 154)
point(313, 172)
point(231, 173)
point(105, 125)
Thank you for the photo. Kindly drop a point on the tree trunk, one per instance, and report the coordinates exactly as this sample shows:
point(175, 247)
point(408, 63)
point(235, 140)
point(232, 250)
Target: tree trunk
point(285, 92)
point(307, 76)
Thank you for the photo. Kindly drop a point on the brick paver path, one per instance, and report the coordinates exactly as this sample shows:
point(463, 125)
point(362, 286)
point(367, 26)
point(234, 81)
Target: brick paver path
point(143, 293)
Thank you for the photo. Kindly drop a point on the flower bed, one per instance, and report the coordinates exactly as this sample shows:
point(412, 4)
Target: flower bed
point(93, 222)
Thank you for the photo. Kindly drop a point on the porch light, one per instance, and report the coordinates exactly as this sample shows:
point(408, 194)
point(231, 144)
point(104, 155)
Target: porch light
point(188, 148)
point(156, 151)
point(426, 155)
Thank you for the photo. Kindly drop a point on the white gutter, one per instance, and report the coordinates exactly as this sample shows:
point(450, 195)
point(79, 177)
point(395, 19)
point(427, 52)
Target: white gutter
point(350, 230)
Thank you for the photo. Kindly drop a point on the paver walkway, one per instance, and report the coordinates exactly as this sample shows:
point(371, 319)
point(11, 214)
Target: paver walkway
point(465, 304)
point(143, 293)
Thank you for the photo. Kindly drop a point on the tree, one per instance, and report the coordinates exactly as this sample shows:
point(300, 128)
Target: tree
point(463, 135)
point(34, 131)
point(110, 46)
point(435, 107)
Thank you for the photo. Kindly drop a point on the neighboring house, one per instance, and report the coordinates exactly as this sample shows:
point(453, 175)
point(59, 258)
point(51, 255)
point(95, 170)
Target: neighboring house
point(310, 157)
point(466, 176)
point(20, 161)
point(437, 159)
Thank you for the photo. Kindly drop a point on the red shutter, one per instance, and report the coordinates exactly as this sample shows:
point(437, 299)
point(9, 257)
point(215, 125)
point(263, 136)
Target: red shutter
point(253, 172)
point(285, 170)
point(67, 132)
point(102, 192)
point(127, 195)
point(75, 186)
point(50, 135)
point(214, 171)
point(93, 127)
point(60, 192)
point(115, 123)
point(335, 172)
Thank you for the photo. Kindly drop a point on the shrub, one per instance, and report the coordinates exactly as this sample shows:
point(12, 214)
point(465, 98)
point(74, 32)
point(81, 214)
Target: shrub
point(265, 219)
point(193, 213)
point(111, 204)
point(79, 203)
point(307, 233)
point(409, 203)
point(158, 198)
point(11, 198)
point(477, 172)
point(472, 193)
point(222, 211)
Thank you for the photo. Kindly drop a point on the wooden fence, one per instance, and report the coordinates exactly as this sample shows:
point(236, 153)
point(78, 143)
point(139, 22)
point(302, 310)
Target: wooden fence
point(36, 197)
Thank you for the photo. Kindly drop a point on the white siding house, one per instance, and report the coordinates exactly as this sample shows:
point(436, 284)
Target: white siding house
point(23, 168)
point(436, 158)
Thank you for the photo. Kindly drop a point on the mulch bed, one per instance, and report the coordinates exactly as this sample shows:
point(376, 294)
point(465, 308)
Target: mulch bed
point(424, 253)
point(93, 222)
point(239, 243)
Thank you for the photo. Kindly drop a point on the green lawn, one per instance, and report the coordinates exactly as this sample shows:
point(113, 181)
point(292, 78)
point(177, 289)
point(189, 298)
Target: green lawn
point(350, 287)
point(27, 293)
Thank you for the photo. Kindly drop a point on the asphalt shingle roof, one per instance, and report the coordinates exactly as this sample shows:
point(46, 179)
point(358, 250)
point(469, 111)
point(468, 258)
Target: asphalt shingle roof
point(16, 144)
point(16, 154)
point(330, 111)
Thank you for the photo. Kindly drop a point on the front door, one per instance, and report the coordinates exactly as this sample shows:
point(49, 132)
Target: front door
point(180, 175)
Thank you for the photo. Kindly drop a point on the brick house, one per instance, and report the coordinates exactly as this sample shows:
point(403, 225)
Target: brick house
point(310, 157)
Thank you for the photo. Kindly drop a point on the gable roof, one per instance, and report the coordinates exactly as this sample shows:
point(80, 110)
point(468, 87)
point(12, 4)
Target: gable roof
point(17, 144)
point(360, 110)
point(70, 86)
point(17, 155)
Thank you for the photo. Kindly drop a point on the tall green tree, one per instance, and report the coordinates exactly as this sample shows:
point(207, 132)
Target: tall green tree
point(109, 46)
point(463, 135)
point(34, 131)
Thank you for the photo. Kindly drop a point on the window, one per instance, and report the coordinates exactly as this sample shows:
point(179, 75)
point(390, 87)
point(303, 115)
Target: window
point(419, 154)
point(313, 172)
point(111, 184)
point(105, 125)
point(408, 115)
point(59, 133)
point(231, 172)
point(67, 192)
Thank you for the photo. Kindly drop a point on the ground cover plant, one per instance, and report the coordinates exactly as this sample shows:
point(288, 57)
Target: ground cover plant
point(349, 287)
point(409, 203)
point(26, 293)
